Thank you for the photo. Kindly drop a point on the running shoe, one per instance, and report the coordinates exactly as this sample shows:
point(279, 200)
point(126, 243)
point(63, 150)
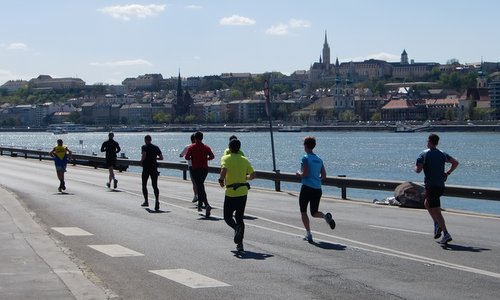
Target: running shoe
point(437, 231)
point(195, 199)
point(239, 247)
point(59, 189)
point(308, 237)
point(207, 211)
point(108, 185)
point(199, 207)
point(157, 205)
point(329, 220)
point(446, 239)
point(63, 186)
point(145, 204)
point(238, 234)
point(115, 183)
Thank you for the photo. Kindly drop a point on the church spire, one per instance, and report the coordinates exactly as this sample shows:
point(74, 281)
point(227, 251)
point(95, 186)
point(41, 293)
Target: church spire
point(326, 54)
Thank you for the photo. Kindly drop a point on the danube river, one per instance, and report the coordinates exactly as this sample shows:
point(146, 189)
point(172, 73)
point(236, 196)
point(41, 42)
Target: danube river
point(378, 155)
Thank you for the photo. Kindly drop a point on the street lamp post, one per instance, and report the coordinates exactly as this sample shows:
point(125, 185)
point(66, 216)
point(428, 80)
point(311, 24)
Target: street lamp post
point(268, 112)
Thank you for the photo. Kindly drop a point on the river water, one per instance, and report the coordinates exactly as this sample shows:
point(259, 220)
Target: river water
point(376, 155)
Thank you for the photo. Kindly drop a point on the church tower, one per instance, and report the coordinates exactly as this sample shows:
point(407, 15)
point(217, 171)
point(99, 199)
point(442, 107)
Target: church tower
point(404, 58)
point(326, 54)
point(179, 105)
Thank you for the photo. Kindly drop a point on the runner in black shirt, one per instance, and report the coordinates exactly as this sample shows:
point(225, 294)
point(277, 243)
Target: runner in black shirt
point(150, 154)
point(111, 147)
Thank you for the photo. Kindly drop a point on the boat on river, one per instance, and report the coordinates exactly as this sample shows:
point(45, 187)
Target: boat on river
point(404, 128)
point(290, 129)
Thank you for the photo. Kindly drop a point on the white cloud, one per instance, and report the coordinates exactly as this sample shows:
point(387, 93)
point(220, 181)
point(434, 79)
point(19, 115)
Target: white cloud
point(295, 23)
point(193, 6)
point(236, 20)
point(122, 63)
point(16, 46)
point(127, 12)
point(6, 75)
point(284, 29)
point(280, 29)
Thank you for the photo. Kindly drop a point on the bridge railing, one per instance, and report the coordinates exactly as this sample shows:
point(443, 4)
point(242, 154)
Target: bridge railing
point(342, 182)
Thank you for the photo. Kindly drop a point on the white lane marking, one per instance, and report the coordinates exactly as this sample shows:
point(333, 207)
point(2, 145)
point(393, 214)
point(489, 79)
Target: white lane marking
point(114, 250)
point(71, 231)
point(381, 250)
point(399, 229)
point(189, 278)
point(390, 252)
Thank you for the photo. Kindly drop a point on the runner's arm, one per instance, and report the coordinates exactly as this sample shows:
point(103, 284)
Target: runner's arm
point(222, 176)
point(454, 165)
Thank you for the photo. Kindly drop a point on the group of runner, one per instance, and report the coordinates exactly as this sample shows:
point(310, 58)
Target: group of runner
point(236, 171)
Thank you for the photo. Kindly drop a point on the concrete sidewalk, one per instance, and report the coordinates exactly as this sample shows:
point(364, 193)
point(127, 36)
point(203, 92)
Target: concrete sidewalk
point(32, 266)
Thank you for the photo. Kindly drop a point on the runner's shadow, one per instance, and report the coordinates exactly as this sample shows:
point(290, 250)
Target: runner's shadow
point(455, 247)
point(328, 246)
point(151, 211)
point(202, 217)
point(249, 218)
point(251, 255)
point(114, 191)
point(63, 194)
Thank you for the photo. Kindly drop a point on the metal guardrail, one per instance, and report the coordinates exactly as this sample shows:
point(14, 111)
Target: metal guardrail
point(341, 181)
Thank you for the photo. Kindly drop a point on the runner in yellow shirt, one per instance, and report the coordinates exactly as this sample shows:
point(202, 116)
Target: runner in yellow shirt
point(61, 155)
point(235, 171)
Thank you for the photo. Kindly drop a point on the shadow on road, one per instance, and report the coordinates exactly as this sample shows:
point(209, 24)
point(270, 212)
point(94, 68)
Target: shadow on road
point(202, 217)
point(63, 193)
point(455, 247)
point(151, 211)
point(328, 246)
point(251, 255)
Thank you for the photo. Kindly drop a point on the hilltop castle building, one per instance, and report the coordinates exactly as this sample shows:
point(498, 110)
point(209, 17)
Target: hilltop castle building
point(325, 72)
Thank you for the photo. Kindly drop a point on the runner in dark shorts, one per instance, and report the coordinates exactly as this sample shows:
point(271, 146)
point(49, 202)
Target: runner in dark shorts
point(111, 147)
point(150, 154)
point(432, 161)
point(312, 171)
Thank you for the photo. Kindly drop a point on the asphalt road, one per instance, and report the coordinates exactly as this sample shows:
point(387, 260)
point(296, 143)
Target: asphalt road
point(376, 252)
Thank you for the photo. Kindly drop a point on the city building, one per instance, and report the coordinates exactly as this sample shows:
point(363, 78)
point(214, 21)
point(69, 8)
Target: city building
point(14, 85)
point(58, 84)
point(494, 93)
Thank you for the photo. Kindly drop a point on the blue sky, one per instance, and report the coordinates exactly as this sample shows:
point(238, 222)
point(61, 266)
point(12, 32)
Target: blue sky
point(108, 41)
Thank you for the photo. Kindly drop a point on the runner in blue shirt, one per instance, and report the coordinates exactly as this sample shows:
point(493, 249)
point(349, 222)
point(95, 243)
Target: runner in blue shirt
point(312, 171)
point(433, 161)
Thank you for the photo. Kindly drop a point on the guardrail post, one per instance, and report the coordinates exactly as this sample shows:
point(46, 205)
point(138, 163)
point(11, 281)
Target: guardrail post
point(277, 183)
point(343, 190)
point(25, 155)
point(184, 174)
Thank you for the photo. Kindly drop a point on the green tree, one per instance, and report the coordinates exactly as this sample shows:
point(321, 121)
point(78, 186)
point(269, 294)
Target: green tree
point(74, 117)
point(162, 117)
point(450, 114)
point(377, 116)
point(480, 113)
point(320, 114)
point(189, 118)
point(235, 94)
point(348, 115)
